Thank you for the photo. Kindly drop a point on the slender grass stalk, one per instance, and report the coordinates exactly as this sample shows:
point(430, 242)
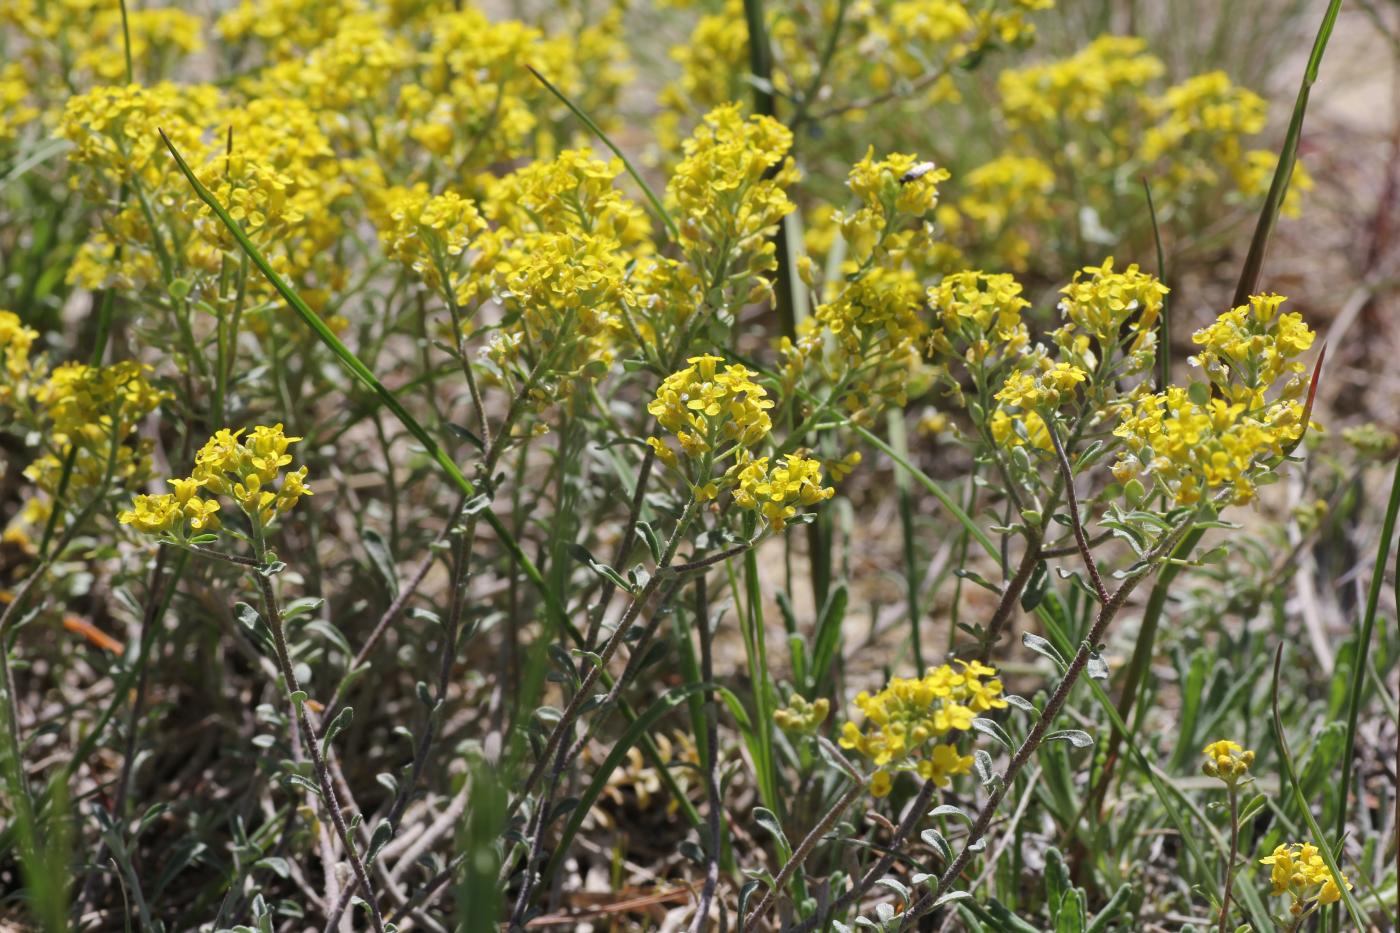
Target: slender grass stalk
point(1363, 649)
point(1283, 172)
point(1228, 881)
point(1164, 321)
point(1291, 773)
point(899, 441)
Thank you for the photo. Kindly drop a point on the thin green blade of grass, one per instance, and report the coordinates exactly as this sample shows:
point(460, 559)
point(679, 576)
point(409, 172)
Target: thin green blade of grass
point(360, 371)
point(1164, 326)
point(1363, 648)
point(660, 209)
point(932, 487)
point(1288, 157)
point(1291, 773)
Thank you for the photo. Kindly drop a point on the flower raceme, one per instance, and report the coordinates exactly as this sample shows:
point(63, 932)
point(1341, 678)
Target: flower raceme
point(1300, 871)
point(911, 724)
point(703, 405)
point(1222, 436)
point(776, 491)
point(251, 470)
point(1227, 760)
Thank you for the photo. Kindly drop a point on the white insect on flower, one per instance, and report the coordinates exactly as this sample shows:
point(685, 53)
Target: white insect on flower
point(915, 173)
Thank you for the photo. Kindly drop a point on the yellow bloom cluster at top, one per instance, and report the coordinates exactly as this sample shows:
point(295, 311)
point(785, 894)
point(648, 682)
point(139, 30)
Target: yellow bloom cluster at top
point(867, 333)
point(1100, 302)
point(1227, 760)
point(979, 317)
point(776, 492)
point(909, 721)
point(885, 44)
point(1080, 88)
point(430, 234)
point(16, 340)
point(703, 405)
point(1300, 871)
point(1252, 350)
point(91, 413)
point(15, 110)
point(87, 413)
point(729, 191)
point(1218, 436)
point(252, 471)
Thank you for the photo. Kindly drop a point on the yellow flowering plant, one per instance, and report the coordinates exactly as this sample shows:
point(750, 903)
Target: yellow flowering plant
point(718, 410)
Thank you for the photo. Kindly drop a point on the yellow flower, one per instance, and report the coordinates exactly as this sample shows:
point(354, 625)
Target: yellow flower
point(250, 470)
point(1101, 301)
point(702, 405)
point(1080, 88)
point(777, 493)
point(430, 234)
point(800, 717)
point(729, 191)
point(1300, 871)
point(1227, 760)
point(908, 722)
point(979, 315)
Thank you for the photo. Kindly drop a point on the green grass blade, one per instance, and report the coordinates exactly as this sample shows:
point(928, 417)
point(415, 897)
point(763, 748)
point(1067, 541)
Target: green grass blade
point(660, 209)
point(1291, 773)
point(937, 491)
point(1164, 325)
point(1363, 647)
point(1283, 172)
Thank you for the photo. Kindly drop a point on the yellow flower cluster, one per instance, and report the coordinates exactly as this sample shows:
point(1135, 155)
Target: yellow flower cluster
point(570, 290)
point(1101, 301)
point(979, 317)
point(1080, 89)
point(1191, 443)
point(1300, 871)
point(897, 185)
point(93, 411)
point(776, 492)
point(895, 52)
point(572, 192)
point(1001, 196)
point(114, 129)
point(288, 28)
point(1227, 760)
point(1031, 388)
point(353, 65)
point(909, 722)
point(1032, 391)
point(1206, 105)
point(15, 110)
point(1208, 117)
point(156, 36)
point(16, 341)
point(430, 234)
point(1249, 350)
point(475, 104)
point(800, 717)
point(251, 471)
point(703, 405)
point(728, 192)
